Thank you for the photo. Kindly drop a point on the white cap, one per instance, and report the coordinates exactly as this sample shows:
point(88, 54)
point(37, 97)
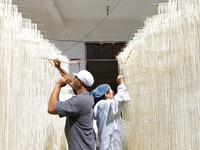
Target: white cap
point(86, 77)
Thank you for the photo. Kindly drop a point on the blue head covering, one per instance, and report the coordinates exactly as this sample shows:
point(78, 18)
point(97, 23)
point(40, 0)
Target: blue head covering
point(101, 90)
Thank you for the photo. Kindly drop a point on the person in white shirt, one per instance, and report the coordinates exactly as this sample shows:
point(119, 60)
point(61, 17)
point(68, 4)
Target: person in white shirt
point(107, 112)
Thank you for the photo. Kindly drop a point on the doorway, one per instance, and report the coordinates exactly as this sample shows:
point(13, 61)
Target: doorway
point(102, 63)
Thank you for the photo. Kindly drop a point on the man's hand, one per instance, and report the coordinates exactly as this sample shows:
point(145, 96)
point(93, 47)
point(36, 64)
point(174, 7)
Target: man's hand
point(119, 79)
point(63, 73)
point(63, 81)
point(57, 62)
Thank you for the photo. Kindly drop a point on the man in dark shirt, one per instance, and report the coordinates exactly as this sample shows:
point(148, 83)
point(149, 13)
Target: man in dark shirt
point(78, 109)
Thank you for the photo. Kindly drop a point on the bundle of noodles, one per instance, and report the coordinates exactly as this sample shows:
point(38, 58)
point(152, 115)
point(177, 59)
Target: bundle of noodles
point(161, 70)
point(26, 82)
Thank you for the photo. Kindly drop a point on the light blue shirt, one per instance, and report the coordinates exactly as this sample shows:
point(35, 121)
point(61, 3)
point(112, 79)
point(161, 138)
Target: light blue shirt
point(109, 121)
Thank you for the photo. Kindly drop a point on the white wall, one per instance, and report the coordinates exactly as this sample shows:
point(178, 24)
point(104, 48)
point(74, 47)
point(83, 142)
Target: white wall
point(77, 52)
point(108, 31)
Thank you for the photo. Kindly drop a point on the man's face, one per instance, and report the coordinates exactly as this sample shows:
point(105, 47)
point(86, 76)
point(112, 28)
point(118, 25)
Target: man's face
point(76, 83)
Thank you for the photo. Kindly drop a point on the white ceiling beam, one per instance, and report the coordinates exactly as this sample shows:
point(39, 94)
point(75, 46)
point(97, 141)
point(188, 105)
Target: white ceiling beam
point(51, 7)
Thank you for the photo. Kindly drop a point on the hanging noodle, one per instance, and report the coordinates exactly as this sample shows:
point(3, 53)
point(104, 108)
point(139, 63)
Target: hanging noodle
point(162, 74)
point(26, 82)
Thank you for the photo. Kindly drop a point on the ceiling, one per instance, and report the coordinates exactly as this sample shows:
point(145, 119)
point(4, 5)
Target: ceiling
point(54, 16)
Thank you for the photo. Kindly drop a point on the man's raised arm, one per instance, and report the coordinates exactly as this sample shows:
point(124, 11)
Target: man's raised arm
point(62, 71)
